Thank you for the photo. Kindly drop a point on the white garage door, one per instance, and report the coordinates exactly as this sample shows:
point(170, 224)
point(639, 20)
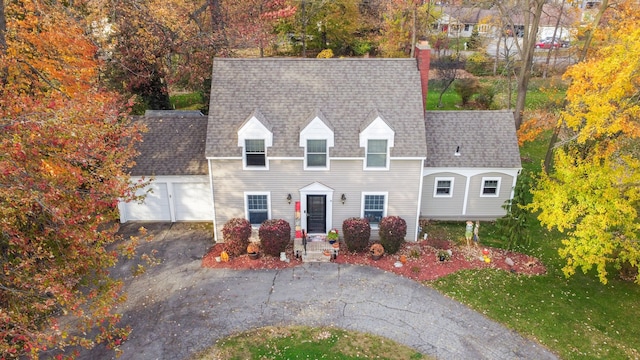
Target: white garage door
point(155, 206)
point(192, 201)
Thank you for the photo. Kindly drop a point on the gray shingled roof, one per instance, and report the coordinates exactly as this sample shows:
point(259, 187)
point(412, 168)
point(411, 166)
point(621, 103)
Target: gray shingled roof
point(174, 145)
point(286, 91)
point(486, 138)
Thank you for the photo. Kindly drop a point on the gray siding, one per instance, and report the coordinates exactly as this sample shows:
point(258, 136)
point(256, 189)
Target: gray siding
point(347, 177)
point(477, 206)
point(488, 206)
point(443, 206)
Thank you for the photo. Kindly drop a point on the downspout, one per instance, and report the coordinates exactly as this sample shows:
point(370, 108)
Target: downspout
point(419, 198)
point(466, 195)
point(213, 201)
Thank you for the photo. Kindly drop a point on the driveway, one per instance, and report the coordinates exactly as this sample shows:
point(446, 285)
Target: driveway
point(178, 308)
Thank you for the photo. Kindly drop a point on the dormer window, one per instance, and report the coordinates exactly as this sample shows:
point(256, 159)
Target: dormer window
point(317, 153)
point(377, 139)
point(255, 136)
point(255, 152)
point(316, 138)
point(377, 153)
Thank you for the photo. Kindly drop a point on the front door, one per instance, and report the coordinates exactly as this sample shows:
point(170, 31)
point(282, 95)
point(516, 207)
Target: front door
point(316, 214)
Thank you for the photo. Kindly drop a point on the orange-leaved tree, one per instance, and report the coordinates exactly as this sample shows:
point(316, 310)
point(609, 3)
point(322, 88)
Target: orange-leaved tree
point(65, 147)
point(593, 192)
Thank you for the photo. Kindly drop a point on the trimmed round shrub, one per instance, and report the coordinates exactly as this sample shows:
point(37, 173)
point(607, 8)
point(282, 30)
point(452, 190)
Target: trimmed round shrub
point(275, 235)
point(236, 233)
point(356, 233)
point(392, 231)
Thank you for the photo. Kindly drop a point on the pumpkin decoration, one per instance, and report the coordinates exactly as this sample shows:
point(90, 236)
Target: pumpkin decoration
point(252, 248)
point(403, 259)
point(224, 257)
point(376, 251)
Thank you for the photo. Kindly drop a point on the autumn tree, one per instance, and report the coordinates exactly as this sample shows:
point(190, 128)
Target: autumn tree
point(404, 22)
point(592, 194)
point(65, 145)
point(252, 24)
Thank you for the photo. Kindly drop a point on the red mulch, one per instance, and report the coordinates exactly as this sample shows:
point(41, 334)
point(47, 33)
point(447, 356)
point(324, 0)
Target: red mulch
point(424, 267)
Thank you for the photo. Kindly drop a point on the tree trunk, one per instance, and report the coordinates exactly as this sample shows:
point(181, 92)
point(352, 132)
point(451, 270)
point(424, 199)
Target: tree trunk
point(589, 35)
point(3, 29)
point(553, 39)
point(532, 22)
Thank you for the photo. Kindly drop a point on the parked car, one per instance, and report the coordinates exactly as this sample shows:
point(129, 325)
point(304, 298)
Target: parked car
point(548, 44)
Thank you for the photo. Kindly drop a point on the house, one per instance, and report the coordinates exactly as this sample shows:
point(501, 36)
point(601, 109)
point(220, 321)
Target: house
point(472, 165)
point(317, 141)
point(460, 21)
point(172, 155)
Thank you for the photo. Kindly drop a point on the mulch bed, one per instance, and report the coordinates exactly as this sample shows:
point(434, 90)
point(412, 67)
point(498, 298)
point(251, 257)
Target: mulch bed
point(421, 262)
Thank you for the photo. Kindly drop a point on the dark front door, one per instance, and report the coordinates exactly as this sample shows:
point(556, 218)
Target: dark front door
point(316, 214)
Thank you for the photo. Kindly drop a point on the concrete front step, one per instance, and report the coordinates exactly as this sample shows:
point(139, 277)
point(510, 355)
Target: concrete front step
point(316, 251)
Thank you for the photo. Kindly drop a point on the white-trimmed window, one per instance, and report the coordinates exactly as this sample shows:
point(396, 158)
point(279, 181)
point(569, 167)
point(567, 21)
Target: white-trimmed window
point(374, 207)
point(377, 139)
point(255, 153)
point(316, 153)
point(257, 207)
point(377, 153)
point(443, 187)
point(490, 187)
point(255, 138)
point(316, 138)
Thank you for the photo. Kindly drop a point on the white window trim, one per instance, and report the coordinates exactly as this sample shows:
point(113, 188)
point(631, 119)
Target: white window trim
point(254, 129)
point(246, 204)
point(484, 180)
point(384, 210)
point(317, 130)
point(306, 158)
point(255, 167)
point(376, 168)
point(377, 130)
point(435, 187)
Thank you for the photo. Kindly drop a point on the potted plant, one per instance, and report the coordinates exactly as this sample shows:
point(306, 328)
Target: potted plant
point(332, 236)
point(443, 255)
point(376, 251)
point(253, 250)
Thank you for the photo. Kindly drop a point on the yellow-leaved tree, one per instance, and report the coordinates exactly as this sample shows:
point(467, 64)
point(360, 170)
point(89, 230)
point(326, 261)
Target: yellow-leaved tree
point(592, 195)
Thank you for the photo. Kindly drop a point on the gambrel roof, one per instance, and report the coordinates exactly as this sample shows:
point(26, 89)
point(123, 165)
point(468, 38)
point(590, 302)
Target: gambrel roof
point(287, 90)
point(485, 139)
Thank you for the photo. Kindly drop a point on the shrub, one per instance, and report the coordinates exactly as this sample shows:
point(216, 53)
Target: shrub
point(485, 97)
point(392, 231)
point(274, 236)
point(466, 88)
point(236, 233)
point(356, 233)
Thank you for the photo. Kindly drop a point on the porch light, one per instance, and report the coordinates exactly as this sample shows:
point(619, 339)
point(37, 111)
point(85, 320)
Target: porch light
point(289, 198)
point(343, 198)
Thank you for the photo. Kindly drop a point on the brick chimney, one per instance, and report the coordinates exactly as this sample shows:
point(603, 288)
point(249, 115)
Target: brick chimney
point(423, 58)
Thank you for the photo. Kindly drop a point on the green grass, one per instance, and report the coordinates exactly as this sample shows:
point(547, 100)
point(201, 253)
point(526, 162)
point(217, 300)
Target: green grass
point(307, 343)
point(187, 101)
point(541, 94)
point(576, 317)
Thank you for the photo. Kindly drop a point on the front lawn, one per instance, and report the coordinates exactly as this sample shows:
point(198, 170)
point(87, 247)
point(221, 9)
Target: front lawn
point(577, 317)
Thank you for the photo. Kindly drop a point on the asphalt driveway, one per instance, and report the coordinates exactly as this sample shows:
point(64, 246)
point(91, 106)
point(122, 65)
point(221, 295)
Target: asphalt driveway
point(178, 308)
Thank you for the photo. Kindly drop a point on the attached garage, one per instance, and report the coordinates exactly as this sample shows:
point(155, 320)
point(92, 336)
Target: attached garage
point(172, 154)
